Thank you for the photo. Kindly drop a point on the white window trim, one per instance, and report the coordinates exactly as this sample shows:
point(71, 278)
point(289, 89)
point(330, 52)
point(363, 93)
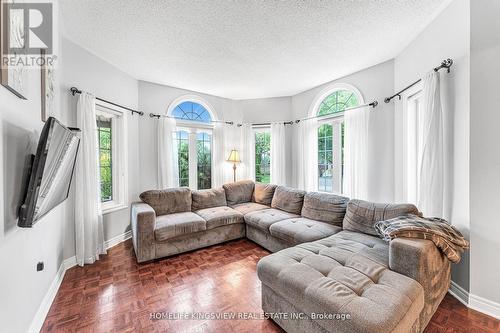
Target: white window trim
point(335, 120)
point(119, 123)
point(408, 96)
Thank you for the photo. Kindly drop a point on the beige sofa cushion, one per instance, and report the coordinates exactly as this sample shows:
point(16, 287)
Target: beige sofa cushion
point(219, 216)
point(333, 275)
point(288, 199)
point(208, 198)
point(248, 207)
point(300, 230)
point(325, 207)
point(168, 201)
point(362, 215)
point(263, 193)
point(263, 219)
point(178, 224)
point(239, 192)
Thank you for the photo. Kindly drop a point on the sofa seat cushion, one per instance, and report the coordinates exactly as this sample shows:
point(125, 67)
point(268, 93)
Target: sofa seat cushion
point(362, 215)
point(248, 207)
point(178, 224)
point(324, 207)
point(288, 199)
point(239, 192)
point(168, 201)
point(202, 199)
point(263, 219)
point(263, 193)
point(301, 230)
point(219, 216)
point(333, 275)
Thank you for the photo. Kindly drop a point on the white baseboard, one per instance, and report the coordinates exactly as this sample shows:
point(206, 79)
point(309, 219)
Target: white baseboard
point(44, 308)
point(459, 293)
point(484, 305)
point(118, 239)
point(475, 302)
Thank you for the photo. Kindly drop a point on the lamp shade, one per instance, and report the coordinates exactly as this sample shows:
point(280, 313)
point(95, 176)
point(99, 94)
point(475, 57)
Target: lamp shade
point(234, 156)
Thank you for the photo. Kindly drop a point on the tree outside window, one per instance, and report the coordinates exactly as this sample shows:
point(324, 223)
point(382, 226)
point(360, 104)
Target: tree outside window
point(263, 157)
point(104, 130)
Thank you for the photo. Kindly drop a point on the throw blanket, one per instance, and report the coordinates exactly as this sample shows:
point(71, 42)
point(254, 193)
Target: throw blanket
point(446, 237)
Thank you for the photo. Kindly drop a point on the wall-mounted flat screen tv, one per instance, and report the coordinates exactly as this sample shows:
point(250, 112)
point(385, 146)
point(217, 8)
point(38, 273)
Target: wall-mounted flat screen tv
point(50, 173)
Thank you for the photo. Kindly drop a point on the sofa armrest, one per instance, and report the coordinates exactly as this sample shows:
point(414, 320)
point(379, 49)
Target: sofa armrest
point(143, 225)
point(422, 261)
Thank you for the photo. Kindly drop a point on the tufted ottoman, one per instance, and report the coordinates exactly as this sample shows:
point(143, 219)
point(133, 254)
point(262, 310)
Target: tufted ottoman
point(339, 284)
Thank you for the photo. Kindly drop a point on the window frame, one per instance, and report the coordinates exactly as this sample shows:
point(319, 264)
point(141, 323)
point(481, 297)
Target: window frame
point(193, 128)
point(409, 157)
point(119, 153)
point(255, 131)
point(335, 119)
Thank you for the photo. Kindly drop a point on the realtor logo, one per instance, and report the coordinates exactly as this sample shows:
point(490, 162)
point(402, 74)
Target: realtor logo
point(27, 28)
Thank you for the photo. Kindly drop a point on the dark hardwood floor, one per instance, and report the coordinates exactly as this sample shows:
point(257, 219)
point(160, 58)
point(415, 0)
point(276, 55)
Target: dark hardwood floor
point(118, 295)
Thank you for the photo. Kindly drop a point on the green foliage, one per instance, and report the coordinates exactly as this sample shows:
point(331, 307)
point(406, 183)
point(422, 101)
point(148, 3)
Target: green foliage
point(183, 156)
point(105, 159)
point(204, 161)
point(263, 157)
point(338, 101)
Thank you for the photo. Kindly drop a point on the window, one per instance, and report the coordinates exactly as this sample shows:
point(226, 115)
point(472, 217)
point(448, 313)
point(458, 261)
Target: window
point(112, 143)
point(331, 138)
point(183, 157)
point(414, 145)
point(262, 156)
point(105, 134)
point(194, 144)
point(204, 161)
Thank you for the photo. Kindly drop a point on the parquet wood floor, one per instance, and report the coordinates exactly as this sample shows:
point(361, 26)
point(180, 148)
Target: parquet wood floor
point(118, 295)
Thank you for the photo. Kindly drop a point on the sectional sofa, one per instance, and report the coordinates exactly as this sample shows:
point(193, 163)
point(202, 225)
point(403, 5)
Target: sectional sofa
point(330, 271)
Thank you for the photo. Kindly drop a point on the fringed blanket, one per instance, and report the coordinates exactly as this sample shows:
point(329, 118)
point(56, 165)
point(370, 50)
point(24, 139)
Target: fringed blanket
point(446, 237)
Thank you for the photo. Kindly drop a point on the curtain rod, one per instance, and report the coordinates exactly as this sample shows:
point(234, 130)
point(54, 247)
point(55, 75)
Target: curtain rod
point(444, 64)
point(75, 90)
point(372, 104)
point(158, 116)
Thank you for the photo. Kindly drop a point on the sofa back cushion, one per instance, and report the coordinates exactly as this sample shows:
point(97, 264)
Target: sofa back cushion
point(239, 192)
point(169, 201)
point(362, 215)
point(208, 198)
point(263, 193)
point(325, 207)
point(288, 199)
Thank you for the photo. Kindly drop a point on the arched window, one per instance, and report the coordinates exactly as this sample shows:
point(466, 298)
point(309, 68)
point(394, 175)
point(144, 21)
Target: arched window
point(194, 142)
point(331, 106)
point(192, 111)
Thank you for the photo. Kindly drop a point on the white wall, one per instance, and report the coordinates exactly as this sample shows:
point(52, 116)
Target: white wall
point(87, 72)
point(446, 37)
point(485, 154)
point(156, 98)
point(374, 83)
point(22, 288)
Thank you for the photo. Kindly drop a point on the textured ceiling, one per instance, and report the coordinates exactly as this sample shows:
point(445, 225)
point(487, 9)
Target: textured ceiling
point(245, 49)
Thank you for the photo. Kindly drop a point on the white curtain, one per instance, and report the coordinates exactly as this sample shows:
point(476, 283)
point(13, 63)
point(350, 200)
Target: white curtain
point(247, 165)
point(219, 157)
point(278, 152)
point(307, 147)
point(168, 166)
point(431, 168)
point(355, 180)
point(89, 235)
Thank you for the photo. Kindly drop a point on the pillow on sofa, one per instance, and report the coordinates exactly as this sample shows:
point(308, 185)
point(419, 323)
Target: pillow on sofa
point(263, 193)
point(169, 201)
point(325, 207)
point(202, 199)
point(288, 199)
point(239, 192)
point(362, 215)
